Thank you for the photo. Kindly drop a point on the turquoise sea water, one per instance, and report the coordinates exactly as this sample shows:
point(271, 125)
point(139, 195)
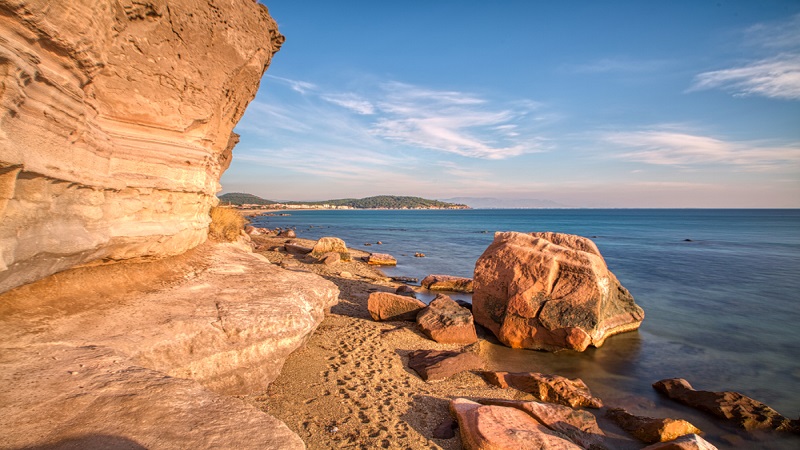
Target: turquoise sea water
point(720, 290)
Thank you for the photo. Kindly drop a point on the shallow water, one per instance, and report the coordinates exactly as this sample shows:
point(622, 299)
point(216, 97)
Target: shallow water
point(722, 309)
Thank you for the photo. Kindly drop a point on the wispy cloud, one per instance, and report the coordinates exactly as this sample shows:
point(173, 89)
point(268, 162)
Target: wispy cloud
point(667, 147)
point(777, 77)
point(296, 85)
point(774, 74)
point(352, 102)
point(619, 65)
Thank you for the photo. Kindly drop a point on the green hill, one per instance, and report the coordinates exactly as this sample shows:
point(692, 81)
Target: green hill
point(389, 202)
point(239, 198)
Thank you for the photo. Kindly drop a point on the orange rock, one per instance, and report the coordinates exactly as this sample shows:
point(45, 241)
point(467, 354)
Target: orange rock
point(688, 442)
point(499, 428)
point(547, 388)
point(549, 291)
point(650, 430)
point(380, 259)
point(330, 245)
point(447, 283)
point(388, 306)
point(446, 322)
point(434, 365)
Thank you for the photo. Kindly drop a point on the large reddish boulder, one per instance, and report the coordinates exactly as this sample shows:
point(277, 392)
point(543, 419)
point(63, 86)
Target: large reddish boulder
point(388, 306)
point(447, 283)
point(499, 428)
point(446, 322)
point(649, 429)
point(547, 388)
point(549, 291)
point(737, 408)
point(327, 245)
point(578, 425)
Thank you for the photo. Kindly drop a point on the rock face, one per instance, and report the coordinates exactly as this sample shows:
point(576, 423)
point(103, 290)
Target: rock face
point(149, 362)
point(387, 306)
point(549, 291)
point(739, 409)
point(496, 427)
point(116, 124)
point(447, 283)
point(578, 425)
point(434, 365)
point(651, 430)
point(547, 388)
point(446, 322)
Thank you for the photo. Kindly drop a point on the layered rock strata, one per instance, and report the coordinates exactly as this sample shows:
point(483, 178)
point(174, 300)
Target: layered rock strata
point(550, 291)
point(109, 351)
point(116, 124)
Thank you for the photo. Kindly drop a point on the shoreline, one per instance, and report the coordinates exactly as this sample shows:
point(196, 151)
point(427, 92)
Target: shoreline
point(350, 385)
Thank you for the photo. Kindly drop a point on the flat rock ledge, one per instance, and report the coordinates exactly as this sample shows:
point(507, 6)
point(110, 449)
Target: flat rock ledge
point(115, 356)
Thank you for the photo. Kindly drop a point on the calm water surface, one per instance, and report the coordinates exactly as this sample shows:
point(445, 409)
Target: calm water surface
point(722, 310)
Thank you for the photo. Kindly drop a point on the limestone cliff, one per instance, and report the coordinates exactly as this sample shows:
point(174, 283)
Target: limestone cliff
point(116, 124)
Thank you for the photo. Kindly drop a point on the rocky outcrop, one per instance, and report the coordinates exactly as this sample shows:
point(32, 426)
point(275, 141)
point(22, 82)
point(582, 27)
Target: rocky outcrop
point(387, 306)
point(330, 245)
point(380, 259)
point(432, 365)
point(501, 428)
point(116, 123)
point(142, 351)
point(447, 283)
point(446, 322)
point(650, 429)
point(550, 291)
point(737, 408)
point(547, 388)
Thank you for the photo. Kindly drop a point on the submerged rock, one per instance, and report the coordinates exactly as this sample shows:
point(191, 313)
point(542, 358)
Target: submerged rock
point(547, 388)
point(447, 283)
point(446, 322)
point(549, 291)
point(737, 408)
point(440, 364)
point(406, 290)
point(650, 430)
point(387, 306)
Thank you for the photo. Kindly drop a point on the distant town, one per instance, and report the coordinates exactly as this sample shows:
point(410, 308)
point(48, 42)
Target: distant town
point(249, 201)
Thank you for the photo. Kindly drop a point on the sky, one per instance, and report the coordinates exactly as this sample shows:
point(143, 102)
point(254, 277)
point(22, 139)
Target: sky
point(571, 103)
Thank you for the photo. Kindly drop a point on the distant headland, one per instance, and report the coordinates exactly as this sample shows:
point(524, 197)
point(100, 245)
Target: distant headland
point(244, 200)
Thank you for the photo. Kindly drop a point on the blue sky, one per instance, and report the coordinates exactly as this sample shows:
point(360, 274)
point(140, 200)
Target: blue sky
point(581, 103)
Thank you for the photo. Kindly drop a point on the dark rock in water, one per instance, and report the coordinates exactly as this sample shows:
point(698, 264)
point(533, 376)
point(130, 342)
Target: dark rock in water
point(547, 388)
point(367, 244)
point(379, 243)
point(405, 279)
point(388, 306)
point(688, 240)
point(688, 442)
point(419, 255)
point(406, 290)
point(737, 408)
point(446, 322)
point(651, 430)
point(549, 291)
point(439, 364)
point(578, 425)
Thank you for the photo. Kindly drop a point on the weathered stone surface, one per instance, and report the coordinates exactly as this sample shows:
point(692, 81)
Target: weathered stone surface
point(287, 234)
point(549, 291)
point(688, 442)
point(387, 306)
point(116, 123)
point(446, 322)
point(296, 249)
point(330, 258)
point(148, 358)
point(434, 365)
point(330, 245)
point(737, 408)
point(578, 425)
point(380, 259)
point(447, 283)
point(650, 430)
point(547, 388)
point(498, 428)
point(406, 290)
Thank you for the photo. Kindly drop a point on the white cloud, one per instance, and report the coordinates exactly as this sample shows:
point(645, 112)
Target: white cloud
point(665, 147)
point(619, 65)
point(352, 102)
point(777, 77)
point(302, 87)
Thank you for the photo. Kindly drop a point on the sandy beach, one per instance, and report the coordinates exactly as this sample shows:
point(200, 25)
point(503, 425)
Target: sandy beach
point(350, 386)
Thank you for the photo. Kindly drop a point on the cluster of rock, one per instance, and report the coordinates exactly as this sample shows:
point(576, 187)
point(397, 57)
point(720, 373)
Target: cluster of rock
point(550, 291)
point(447, 283)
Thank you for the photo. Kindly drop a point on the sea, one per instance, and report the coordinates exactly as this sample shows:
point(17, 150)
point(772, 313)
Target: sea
point(720, 289)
